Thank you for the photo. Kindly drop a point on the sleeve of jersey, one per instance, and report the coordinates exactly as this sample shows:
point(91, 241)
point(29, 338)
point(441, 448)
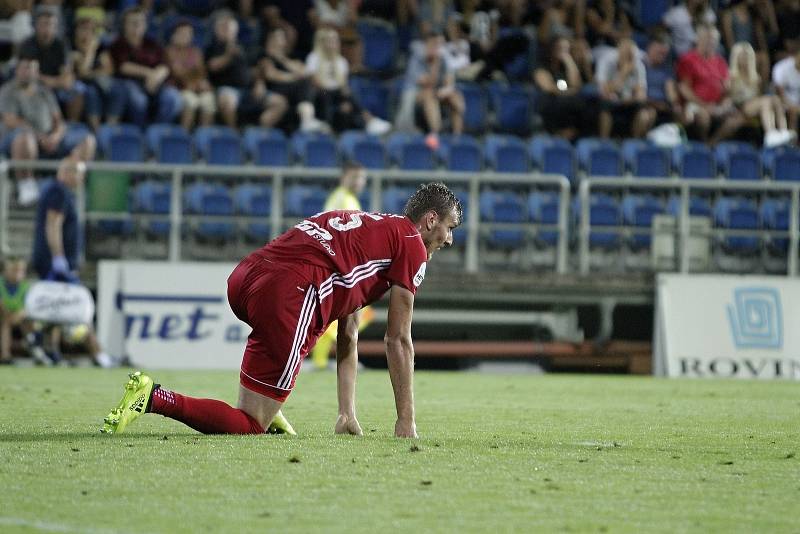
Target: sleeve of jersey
point(408, 265)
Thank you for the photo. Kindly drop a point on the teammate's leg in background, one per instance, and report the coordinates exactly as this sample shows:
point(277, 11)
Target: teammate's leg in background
point(322, 350)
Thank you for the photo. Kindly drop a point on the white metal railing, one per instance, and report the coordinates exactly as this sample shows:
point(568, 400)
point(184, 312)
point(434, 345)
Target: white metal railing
point(685, 187)
point(277, 178)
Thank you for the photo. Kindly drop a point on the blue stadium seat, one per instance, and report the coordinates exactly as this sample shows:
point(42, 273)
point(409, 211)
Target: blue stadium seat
point(476, 102)
point(644, 159)
point(782, 163)
point(373, 95)
point(543, 208)
point(513, 107)
point(315, 149)
point(210, 199)
point(121, 142)
point(218, 145)
point(698, 206)
point(737, 213)
point(462, 153)
point(503, 207)
point(638, 211)
point(775, 216)
point(506, 153)
point(649, 12)
point(410, 152)
point(366, 149)
point(604, 210)
point(553, 155)
point(598, 157)
point(254, 200)
point(267, 146)
point(303, 200)
point(153, 198)
point(394, 198)
point(693, 160)
point(737, 160)
point(380, 45)
point(169, 143)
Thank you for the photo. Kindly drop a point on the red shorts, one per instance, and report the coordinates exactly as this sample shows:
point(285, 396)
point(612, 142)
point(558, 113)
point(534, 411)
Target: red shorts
point(281, 308)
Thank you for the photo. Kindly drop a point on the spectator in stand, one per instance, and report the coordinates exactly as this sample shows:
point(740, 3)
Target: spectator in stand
point(288, 77)
point(622, 80)
point(682, 19)
point(567, 18)
point(294, 14)
point(186, 63)
point(33, 126)
point(15, 20)
point(606, 23)
point(334, 103)
point(341, 16)
point(741, 23)
point(787, 13)
point(240, 97)
point(271, 20)
point(702, 78)
point(558, 79)
point(140, 76)
point(745, 92)
point(55, 65)
point(456, 51)
point(662, 93)
point(435, 86)
point(93, 67)
point(786, 78)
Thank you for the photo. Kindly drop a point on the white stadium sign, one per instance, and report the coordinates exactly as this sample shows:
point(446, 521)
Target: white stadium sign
point(711, 326)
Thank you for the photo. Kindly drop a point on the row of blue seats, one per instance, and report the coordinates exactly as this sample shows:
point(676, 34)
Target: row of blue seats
point(495, 206)
point(219, 145)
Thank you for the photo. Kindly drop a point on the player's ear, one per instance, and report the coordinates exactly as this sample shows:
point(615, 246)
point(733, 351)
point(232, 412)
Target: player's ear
point(430, 219)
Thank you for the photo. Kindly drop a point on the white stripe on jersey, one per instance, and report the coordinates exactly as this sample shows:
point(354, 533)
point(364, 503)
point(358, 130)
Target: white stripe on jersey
point(303, 322)
point(353, 277)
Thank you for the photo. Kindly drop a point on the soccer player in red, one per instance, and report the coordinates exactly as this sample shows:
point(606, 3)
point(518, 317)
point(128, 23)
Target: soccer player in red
point(325, 268)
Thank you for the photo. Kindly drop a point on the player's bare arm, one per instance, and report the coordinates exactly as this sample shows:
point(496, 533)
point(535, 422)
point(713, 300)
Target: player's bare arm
point(400, 356)
point(346, 371)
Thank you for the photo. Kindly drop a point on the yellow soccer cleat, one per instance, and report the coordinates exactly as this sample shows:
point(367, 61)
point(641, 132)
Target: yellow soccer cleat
point(138, 391)
point(280, 425)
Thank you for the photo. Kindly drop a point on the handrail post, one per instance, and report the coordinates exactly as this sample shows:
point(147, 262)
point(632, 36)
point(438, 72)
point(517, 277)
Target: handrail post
point(5, 186)
point(794, 221)
point(683, 225)
point(375, 194)
point(175, 216)
point(80, 205)
point(583, 234)
point(563, 227)
point(472, 226)
point(276, 208)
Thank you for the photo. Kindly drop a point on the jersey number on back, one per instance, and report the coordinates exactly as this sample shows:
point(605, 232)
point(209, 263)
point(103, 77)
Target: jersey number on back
point(354, 222)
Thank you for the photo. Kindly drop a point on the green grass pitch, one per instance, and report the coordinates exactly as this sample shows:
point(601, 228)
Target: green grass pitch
point(497, 453)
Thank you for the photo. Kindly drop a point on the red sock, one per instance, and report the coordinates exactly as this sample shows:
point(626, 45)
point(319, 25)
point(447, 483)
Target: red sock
point(208, 416)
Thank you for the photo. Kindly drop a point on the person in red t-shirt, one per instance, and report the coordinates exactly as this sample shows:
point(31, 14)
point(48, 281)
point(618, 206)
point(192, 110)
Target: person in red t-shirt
point(326, 268)
point(703, 78)
point(140, 75)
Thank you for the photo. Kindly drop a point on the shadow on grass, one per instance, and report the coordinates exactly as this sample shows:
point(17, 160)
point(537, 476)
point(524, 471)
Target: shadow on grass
point(55, 437)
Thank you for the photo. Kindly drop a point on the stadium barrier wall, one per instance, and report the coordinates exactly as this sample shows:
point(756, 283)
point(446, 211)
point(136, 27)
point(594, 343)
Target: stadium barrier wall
point(279, 177)
point(712, 326)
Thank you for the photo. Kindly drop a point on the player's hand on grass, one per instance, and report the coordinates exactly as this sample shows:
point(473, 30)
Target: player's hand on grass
point(348, 425)
point(405, 429)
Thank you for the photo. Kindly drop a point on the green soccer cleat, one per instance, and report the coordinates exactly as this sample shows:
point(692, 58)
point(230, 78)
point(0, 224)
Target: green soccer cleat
point(280, 425)
point(134, 402)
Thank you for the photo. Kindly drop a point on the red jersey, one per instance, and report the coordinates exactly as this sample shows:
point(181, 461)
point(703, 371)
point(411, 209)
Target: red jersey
point(705, 75)
point(351, 257)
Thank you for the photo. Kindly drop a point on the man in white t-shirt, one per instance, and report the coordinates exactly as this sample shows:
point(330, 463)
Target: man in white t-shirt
point(786, 77)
